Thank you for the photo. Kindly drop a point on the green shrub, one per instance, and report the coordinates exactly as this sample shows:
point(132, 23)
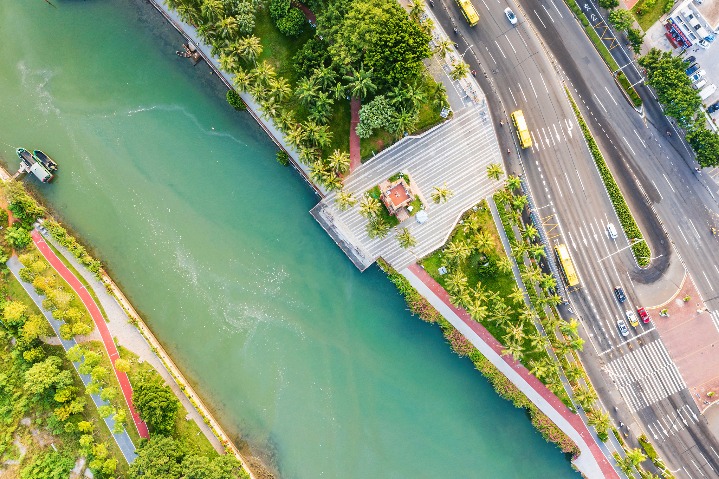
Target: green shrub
point(235, 101)
point(49, 465)
point(639, 246)
point(283, 158)
point(292, 24)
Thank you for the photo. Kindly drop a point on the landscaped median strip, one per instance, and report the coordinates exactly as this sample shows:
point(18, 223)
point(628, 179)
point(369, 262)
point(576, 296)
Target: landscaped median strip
point(639, 247)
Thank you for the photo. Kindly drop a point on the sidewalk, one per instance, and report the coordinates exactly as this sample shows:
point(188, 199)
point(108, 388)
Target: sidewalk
point(100, 323)
point(122, 439)
point(591, 462)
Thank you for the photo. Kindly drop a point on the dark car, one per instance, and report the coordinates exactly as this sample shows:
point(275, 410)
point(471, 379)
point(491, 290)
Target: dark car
point(619, 293)
point(690, 60)
point(714, 107)
point(692, 69)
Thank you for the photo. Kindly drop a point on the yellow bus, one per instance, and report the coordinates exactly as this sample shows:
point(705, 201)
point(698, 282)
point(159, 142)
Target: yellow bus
point(565, 265)
point(525, 140)
point(469, 12)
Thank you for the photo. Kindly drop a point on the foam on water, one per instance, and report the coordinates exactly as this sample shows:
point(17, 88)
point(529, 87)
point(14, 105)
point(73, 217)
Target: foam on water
point(37, 81)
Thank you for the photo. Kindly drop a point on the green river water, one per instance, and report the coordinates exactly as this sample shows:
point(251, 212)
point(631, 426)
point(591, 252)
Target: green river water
point(301, 355)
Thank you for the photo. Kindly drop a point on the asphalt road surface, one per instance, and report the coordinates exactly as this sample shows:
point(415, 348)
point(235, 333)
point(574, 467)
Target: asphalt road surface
point(527, 67)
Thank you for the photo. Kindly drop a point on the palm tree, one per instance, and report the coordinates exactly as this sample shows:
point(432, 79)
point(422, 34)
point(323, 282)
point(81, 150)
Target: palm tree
point(538, 369)
point(307, 154)
point(295, 134)
point(573, 372)
point(569, 328)
point(227, 28)
point(228, 62)
point(547, 282)
point(515, 332)
point(477, 309)
point(264, 73)
point(635, 456)
point(576, 344)
point(189, 14)
point(324, 77)
point(539, 342)
point(360, 83)
point(319, 173)
point(345, 200)
point(440, 194)
point(585, 397)
point(369, 207)
point(212, 10)
point(405, 238)
point(269, 108)
point(518, 249)
point(318, 135)
point(519, 202)
point(517, 295)
point(280, 89)
point(377, 228)
point(537, 251)
point(530, 233)
point(459, 70)
point(479, 293)
point(528, 315)
point(416, 8)
point(285, 120)
point(515, 349)
point(243, 80)
point(443, 47)
point(338, 92)
point(504, 265)
point(439, 96)
point(404, 121)
point(553, 300)
point(457, 251)
point(456, 281)
point(208, 34)
point(494, 171)
point(321, 107)
point(482, 241)
point(513, 183)
point(414, 96)
point(339, 161)
point(600, 420)
point(249, 48)
point(624, 464)
point(333, 182)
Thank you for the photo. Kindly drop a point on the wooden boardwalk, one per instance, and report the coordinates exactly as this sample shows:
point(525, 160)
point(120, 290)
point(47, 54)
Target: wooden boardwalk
point(456, 152)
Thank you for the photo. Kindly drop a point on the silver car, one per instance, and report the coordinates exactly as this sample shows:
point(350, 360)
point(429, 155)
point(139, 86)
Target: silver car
point(510, 16)
point(623, 329)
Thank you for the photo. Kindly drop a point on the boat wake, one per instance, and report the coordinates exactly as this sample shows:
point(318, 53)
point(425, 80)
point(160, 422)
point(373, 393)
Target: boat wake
point(37, 82)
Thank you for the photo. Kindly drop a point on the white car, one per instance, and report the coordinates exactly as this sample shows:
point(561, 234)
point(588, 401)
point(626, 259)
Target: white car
point(510, 16)
point(632, 318)
point(612, 231)
point(697, 76)
point(622, 327)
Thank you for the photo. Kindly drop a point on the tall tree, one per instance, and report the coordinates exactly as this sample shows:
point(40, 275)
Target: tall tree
point(459, 70)
point(369, 207)
point(706, 145)
point(405, 238)
point(155, 403)
point(360, 83)
point(440, 194)
point(339, 161)
point(621, 19)
point(345, 200)
point(494, 171)
point(377, 227)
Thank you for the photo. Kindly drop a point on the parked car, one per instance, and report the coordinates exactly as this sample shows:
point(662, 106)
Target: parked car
point(644, 315)
point(707, 91)
point(510, 16)
point(690, 60)
point(700, 84)
point(632, 318)
point(612, 231)
point(619, 293)
point(623, 329)
point(697, 76)
point(692, 69)
point(713, 107)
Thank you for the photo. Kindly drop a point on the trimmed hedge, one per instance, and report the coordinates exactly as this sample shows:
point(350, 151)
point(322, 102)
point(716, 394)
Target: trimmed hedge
point(641, 250)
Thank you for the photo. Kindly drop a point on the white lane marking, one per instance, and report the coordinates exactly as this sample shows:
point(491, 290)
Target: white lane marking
point(687, 473)
point(600, 103)
point(716, 267)
point(510, 44)
point(522, 38)
point(580, 180)
point(500, 49)
point(485, 4)
point(697, 468)
point(534, 141)
point(522, 90)
point(656, 188)
point(550, 17)
point(715, 453)
point(670, 185)
point(558, 188)
point(611, 96)
point(558, 11)
point(559, 140)
point(630, 146)
point(535, 91)
point(569, 183)
point(640, 138)
point(694, 228)
point(515, 100)
point(540, 19)
point(708, 282)
point(545, 83)
point(490, 54)
point(569, 126)
point(685, 238)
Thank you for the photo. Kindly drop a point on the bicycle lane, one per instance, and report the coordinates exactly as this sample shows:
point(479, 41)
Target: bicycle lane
point(591, 462)
point(99, 320)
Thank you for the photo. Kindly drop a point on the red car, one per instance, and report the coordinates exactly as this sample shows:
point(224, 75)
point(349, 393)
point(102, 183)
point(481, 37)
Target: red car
point(644, 315)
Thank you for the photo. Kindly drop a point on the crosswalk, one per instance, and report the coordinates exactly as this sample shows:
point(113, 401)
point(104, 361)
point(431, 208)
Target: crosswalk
point(549, 136)
point(669, 424)
point(646, 375)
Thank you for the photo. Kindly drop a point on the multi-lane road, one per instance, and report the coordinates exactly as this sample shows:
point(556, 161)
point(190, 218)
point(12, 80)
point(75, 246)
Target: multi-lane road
point(527, 66)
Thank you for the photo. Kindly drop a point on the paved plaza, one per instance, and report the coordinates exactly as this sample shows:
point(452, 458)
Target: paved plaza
point(456, 153)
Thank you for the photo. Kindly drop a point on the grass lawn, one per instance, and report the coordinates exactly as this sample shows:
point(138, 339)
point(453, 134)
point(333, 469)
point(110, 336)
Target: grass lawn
point(491, 278)
point(72, 269)
point(13, 289)
point(647, 14)
point(278, 49)
point(187, 431)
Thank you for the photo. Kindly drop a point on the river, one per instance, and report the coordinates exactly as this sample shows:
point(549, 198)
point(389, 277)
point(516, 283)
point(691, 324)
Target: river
point(306, 358)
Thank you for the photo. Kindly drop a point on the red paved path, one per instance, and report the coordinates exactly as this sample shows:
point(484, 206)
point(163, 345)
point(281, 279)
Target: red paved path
point(75, 284)
point(355, 156)
point(574, 419)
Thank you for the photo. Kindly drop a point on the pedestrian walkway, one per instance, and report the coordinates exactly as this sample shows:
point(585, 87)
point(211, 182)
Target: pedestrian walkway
point(591, 462)
point(122, 438)
point(355, 152)
point(99, 320)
